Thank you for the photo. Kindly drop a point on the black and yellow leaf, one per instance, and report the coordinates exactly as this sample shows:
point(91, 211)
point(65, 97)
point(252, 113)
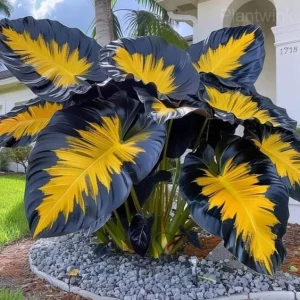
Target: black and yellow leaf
point(238, 105)
point(234, 192)
point(213, 132)
point(51, 59)
point(187, 132)
point(234, 55)
point(180, 137)
point(163, 110)
point(145, 187)
point(22, 125)
point(85, 163)
point(140, 233)
point(283, 149)
point(151, 59)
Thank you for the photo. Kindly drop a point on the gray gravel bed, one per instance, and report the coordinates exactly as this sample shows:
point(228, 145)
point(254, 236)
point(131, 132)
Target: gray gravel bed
point(131, 277)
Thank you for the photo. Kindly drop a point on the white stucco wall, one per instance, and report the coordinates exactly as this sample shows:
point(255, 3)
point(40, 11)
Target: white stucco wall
point(287, 40)
point(10, 95)
point(16, 168)
point(262, 13)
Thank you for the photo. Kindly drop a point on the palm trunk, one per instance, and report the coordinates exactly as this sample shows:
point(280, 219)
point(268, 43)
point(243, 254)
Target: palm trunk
point(104, 22)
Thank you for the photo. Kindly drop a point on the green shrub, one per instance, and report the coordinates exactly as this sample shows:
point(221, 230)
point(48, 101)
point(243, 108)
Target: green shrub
point(19, 155)
point(4, 160)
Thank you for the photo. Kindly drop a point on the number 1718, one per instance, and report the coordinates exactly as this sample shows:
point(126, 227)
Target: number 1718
point(288, 50)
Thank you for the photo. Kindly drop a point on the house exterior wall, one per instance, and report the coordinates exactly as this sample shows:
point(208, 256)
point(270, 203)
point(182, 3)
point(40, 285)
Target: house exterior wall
point(13, 167)
point(12, 94)
point(263, 13)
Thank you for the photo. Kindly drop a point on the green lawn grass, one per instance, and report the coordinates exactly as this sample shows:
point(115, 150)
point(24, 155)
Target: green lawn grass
point(10, 295)
point(13, 224)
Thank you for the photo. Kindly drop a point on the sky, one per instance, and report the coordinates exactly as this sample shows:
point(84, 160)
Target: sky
point(76, 13)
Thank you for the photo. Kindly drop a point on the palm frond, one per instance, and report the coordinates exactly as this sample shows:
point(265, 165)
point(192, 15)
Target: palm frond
point(94, 33)
point(92, 29)
point(5, 7)
point(113, 3)
point(141, 23)
point(155, 8)
point(117, 28)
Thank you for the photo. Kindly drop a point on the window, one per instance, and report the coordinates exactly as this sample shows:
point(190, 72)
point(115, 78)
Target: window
point(20, 103)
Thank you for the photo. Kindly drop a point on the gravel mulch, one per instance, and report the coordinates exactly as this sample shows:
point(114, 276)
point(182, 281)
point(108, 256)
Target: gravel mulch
point(131, 277)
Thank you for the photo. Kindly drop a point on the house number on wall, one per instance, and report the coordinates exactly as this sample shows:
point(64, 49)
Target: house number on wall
point(288, 50)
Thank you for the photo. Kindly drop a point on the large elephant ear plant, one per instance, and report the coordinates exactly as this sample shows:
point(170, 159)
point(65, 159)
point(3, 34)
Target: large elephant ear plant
point(113, 125)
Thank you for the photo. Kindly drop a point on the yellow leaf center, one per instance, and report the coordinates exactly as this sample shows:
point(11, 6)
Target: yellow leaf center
point(243, 107)
point(91, 159)
point(160, 109)
point(147, 69)
point(284, 157)
point(29, 122)
point(225, 59)
point(50, 60)
point(240, 197)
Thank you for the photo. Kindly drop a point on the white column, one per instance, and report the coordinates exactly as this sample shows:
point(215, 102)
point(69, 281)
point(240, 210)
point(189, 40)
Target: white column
point(287, 42)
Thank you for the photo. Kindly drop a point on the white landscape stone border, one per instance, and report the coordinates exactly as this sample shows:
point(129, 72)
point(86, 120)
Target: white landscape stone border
point(271, 295)
point(64, 286)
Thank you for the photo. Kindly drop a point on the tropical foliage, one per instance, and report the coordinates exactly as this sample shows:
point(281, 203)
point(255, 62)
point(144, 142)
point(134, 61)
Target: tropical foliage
point(154, 20)
point(19, 155)
point(4, 160)
point(5, 7)
point(111, 134)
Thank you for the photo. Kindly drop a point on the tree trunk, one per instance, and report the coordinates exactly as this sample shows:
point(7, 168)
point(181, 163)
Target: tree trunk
point(25, 167)
point(104, 22)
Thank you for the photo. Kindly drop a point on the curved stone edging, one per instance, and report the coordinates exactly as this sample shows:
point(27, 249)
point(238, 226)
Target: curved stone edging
point(65, 287)
point(271, 295)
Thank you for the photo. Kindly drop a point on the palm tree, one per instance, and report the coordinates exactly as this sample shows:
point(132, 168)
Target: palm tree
point(155, 21)
point(142, 22)
point(104, 21)
point(5, 8)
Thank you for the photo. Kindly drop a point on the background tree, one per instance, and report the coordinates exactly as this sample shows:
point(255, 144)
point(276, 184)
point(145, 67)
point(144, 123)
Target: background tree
point(154, 21)
point(19, 155)
point(104, 21)
point(4, 160)
point(5, 8)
